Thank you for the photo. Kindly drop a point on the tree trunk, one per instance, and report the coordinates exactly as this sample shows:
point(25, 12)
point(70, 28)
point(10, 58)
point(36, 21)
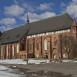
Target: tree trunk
point(68, 56)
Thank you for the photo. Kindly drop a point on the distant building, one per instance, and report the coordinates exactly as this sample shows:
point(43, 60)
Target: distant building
point(37, 39)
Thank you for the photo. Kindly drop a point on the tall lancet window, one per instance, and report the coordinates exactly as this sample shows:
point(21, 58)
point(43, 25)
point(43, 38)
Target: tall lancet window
point(23, 45)
point(45, 44)
point(30, 45)
point(37, 45)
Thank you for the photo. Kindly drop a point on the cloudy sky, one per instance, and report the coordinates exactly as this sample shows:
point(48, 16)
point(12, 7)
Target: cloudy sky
point(13, 12)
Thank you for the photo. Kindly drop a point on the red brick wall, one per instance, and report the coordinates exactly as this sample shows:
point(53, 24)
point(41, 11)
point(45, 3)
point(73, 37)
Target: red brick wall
point(52, 49)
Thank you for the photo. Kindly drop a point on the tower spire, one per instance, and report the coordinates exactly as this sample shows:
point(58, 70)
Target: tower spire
point(27, 16)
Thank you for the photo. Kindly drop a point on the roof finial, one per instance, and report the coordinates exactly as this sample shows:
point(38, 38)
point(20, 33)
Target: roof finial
point(27, 16)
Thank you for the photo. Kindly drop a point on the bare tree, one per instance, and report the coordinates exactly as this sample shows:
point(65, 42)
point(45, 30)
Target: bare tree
point(59, 46)
point(74, 53)
point(68, 44)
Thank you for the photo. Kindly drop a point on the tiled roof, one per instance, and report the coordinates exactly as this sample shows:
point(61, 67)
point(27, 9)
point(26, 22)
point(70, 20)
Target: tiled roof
point(55, 23)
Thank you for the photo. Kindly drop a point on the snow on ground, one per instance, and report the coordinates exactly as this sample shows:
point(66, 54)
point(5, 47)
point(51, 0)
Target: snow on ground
point(2, 68)
point(38, 61)
point(71, 61)
point(8, 72)
point(66, 60)
point(30, 61)
point(21, 61)
point(13, 61)
point(75, 61)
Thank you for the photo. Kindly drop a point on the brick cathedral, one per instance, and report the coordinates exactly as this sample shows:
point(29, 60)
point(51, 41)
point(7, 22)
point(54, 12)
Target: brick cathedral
point(38, 39)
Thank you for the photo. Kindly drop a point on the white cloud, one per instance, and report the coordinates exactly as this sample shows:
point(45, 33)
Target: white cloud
point(4, 28)
point(75, 1)
point(15, 1)
point(8, 21)
point(30, 7)
point(62, 4)
point(14, 10)
point(45, 6)
point(34, 17)
point(71, 8)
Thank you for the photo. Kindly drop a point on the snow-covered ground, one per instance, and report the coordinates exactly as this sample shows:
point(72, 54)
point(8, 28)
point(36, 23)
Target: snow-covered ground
point(13, 61)
point(66, 60)
point(30, 61)
point(8, 72)
point(21, 61)
point(3, 68)
point(71, 61)
point(38, 61)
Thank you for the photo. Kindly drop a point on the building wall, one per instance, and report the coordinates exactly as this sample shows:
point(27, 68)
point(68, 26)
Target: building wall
point(10, 51)
point(27, 46)
point(52, 50)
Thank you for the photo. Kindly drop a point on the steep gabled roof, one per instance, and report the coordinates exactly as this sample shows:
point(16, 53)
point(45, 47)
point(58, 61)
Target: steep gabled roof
point(55, 23)
point(14, 35)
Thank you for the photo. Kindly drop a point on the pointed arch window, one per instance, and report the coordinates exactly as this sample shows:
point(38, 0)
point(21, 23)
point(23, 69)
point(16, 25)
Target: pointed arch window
point(37, 44)
point(45, 44)
point(23, 46)
point(30, 45)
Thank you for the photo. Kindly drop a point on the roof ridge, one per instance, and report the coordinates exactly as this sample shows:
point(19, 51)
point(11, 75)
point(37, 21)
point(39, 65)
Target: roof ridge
point(36, 21)
point(49, 17)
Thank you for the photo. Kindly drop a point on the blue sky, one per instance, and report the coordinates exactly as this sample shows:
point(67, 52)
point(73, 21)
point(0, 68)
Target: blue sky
point(13, 12)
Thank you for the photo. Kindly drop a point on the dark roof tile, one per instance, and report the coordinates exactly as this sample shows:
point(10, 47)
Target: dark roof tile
point(55, 23)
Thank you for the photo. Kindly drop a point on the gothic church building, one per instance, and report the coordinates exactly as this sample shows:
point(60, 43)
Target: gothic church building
point(38, 39)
